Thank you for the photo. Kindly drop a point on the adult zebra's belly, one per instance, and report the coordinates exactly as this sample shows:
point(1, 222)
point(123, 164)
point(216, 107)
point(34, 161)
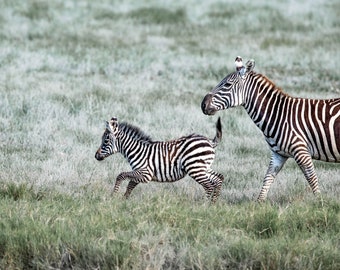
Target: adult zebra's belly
point(275, 147)
point(323, 153)
point(329, 157)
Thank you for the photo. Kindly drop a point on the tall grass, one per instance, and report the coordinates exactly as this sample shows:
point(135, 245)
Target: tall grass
point(66, 66)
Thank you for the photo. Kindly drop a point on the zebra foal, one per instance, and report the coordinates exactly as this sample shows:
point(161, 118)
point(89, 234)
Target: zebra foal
point(299, 128)
point(162, 161)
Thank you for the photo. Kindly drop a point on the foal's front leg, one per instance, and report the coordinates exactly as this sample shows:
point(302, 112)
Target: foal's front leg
point(136, 177)
point(129, 188)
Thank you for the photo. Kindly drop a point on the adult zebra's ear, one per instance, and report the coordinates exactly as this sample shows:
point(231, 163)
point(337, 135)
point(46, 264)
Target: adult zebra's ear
point(250, 65)
point(108, 126)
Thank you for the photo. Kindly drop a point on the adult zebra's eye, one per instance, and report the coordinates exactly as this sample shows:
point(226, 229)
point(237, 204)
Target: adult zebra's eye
point(227, 87)
point(106, 138)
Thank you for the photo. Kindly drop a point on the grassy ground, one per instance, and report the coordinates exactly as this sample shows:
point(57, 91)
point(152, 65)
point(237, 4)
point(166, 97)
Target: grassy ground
point(164, 231)
point(66, 66)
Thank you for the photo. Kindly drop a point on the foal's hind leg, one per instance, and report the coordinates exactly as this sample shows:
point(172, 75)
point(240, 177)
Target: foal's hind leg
point(210, 181)
point(216, 180)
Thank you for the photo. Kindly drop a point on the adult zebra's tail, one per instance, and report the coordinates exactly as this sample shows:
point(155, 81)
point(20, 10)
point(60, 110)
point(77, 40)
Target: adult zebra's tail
point(218, 136)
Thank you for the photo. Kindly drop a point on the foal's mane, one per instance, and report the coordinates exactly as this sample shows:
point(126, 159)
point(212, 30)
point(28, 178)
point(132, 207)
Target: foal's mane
point(134, 132)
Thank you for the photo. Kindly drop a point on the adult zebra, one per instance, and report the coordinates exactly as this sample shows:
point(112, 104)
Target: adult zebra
point(162, 161)
point(303, 129)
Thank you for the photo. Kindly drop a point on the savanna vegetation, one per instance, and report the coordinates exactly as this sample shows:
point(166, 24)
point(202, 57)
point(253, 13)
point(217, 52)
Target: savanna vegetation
point(66, 66)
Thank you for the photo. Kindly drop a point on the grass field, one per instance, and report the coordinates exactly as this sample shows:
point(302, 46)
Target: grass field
point(66, 66)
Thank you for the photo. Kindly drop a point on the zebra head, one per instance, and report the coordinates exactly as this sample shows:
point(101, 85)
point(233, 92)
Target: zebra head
point(230, 91)
point(109, 140)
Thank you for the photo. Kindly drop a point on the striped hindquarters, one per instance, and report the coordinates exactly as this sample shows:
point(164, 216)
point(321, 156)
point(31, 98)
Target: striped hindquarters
point(319, 122)
point(172, 160)
point(309, 123)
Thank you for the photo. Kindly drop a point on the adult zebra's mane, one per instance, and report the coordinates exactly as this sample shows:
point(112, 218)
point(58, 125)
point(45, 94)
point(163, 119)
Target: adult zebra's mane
point(259, 76)
point(134, 132)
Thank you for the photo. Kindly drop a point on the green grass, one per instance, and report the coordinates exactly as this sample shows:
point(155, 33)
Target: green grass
point(165, 230)
point(67, 66)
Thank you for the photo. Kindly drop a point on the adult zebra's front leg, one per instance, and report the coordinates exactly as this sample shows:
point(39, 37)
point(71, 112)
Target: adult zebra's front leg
point(276, 163)
point(304, 160)
point(136, 177)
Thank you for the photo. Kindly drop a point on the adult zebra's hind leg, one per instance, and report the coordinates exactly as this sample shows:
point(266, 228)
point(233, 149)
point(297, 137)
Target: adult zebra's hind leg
point(276, 163)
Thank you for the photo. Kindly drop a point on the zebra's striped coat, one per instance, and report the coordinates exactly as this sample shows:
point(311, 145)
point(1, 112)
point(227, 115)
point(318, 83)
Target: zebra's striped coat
point(162, 161)
point(303, 129)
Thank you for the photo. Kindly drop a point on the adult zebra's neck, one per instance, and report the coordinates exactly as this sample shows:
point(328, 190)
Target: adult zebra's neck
point(264, 102)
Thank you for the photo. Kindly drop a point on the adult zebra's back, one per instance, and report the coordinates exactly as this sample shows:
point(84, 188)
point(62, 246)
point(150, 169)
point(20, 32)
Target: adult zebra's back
point(303, 129)
point(162, 161)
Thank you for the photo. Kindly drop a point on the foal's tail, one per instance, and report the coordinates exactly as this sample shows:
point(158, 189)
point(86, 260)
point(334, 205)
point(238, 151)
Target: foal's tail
point(218, 136)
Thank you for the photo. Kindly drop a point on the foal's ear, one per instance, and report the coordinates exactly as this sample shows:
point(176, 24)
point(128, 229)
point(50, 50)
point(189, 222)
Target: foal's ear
point(112, 124)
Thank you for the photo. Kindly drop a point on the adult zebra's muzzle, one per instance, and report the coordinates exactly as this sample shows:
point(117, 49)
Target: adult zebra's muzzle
point(98, 155)
point(206, 105)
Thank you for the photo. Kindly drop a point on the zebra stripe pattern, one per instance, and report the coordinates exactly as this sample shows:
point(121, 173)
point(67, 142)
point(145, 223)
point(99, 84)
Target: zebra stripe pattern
point(162, 161)
point(299, 128)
